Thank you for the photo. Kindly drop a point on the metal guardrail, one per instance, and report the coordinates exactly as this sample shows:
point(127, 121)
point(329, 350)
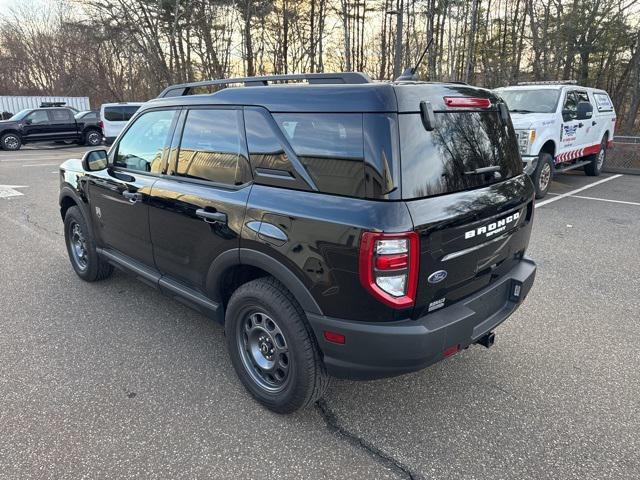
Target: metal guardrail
point(624, 157)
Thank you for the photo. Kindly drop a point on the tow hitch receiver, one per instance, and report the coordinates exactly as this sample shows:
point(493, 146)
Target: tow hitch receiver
point(488, 340)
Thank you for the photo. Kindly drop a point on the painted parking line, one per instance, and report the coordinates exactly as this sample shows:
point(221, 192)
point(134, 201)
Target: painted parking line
point(577, 190)
point(8, 191)
point(41, 165)
point(601, 199)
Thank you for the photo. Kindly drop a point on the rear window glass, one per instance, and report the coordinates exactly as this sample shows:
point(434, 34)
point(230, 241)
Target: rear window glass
point(445, 160)
point(330, 146)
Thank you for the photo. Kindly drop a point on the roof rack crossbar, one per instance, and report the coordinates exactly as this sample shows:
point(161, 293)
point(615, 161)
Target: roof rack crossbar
point(313, 78)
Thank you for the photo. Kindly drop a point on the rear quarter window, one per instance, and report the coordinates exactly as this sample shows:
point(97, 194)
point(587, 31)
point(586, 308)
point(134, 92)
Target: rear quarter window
point(330, 147)
point(603, 102)
point(443, 160)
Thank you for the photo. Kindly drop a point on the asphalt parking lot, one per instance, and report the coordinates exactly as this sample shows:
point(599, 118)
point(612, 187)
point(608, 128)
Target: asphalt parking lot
point(113, 380)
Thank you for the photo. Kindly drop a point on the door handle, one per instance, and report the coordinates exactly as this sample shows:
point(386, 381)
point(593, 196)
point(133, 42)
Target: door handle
point(133, 197)
point(580, 125)
point(594, 123)
point(211, 217)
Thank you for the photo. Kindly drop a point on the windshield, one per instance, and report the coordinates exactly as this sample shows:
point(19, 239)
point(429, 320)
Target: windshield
point(79, 115)
point(530, 101)
point(21, 114)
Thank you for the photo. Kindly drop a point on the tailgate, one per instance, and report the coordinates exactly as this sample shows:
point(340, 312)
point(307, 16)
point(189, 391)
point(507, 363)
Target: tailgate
point(469, 239)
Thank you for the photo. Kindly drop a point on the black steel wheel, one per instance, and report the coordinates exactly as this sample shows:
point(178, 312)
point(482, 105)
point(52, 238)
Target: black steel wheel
point(272, 347)
point(82, 249)
point(264, 351)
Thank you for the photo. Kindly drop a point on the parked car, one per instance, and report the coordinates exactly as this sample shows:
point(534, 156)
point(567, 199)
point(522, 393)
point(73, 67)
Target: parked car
point(47, 124)
point(114, 117)
point(560, 126)
point(373, 239)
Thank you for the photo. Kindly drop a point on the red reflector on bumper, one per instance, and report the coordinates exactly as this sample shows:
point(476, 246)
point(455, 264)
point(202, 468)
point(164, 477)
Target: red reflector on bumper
point(452, 350)
point(334, 337)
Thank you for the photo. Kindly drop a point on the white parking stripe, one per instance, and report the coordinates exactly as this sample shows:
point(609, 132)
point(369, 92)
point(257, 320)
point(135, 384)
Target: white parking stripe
point(577, 190)
point(601, 199)
point(41, 165)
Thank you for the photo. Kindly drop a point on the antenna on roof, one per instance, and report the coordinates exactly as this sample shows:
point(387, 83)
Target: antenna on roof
point(410, 73)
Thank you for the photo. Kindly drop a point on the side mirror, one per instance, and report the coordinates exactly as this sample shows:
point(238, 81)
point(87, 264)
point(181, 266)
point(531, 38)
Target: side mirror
point(94, 160)
point(28, 121)
point(585, 111)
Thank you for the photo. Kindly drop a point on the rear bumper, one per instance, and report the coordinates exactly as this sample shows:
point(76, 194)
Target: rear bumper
point(377, 350)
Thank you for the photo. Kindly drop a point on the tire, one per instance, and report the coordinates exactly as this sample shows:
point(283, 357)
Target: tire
point(543, 174)
point(265, 327)
point(81, 248)
point(92, 138)
point(10, 141)
point(594, 169)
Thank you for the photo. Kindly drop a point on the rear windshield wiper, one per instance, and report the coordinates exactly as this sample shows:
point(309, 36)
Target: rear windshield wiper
point(521, 110)
point(480, 171)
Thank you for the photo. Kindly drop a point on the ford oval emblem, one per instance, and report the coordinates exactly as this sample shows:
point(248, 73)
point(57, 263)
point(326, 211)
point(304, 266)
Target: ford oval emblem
point(437, 277)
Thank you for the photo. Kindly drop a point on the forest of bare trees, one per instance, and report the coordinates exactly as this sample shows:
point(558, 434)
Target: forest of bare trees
point(114, 50)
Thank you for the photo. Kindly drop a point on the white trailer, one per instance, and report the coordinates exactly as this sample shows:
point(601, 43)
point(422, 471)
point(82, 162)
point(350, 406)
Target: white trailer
point(13, 104)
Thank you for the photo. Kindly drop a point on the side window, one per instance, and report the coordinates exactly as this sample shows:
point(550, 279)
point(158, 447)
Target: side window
point(143, 144)
point(128, 112)
point(38, 117)
point(113, 114)
point(603, 102)
point(570, 108)
point(61, 115)
point(265, 150)
point(211, 147)
point(330, 146)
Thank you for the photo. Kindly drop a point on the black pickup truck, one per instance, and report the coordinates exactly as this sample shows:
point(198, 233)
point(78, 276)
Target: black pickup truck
point(48, 124)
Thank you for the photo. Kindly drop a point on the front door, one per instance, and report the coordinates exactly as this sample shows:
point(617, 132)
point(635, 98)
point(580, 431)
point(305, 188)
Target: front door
point(119, 195)
point(574, 133)
point(36, 126)
point(198, 208)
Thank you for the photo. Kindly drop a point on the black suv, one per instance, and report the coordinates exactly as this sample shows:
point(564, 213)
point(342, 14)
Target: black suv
point(333, 224)
point(49, 124)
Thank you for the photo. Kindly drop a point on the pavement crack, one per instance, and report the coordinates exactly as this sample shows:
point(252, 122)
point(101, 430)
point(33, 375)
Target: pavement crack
point(377, 454)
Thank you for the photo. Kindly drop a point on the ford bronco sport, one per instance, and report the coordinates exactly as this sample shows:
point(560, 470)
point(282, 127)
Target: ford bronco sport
point(334, 225)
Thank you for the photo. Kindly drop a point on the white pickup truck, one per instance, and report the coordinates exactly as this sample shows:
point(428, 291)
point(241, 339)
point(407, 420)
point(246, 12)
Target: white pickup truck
point(560, 126)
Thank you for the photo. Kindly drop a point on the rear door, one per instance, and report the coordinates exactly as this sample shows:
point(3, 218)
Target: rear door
point(468, 199)
point(63, 123)
point(198, 207)
point(119, 195)
point(112, 119)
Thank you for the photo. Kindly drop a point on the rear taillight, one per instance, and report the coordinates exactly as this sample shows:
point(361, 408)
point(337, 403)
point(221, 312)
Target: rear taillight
point(101, 125)
point(389, 267)
point(467, 102)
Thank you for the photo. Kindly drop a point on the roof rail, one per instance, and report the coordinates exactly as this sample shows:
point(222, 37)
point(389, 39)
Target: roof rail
point(550, 82)
point(314, 78)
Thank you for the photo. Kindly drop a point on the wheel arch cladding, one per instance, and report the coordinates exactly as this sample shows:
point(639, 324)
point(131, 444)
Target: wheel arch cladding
point(251, 263)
